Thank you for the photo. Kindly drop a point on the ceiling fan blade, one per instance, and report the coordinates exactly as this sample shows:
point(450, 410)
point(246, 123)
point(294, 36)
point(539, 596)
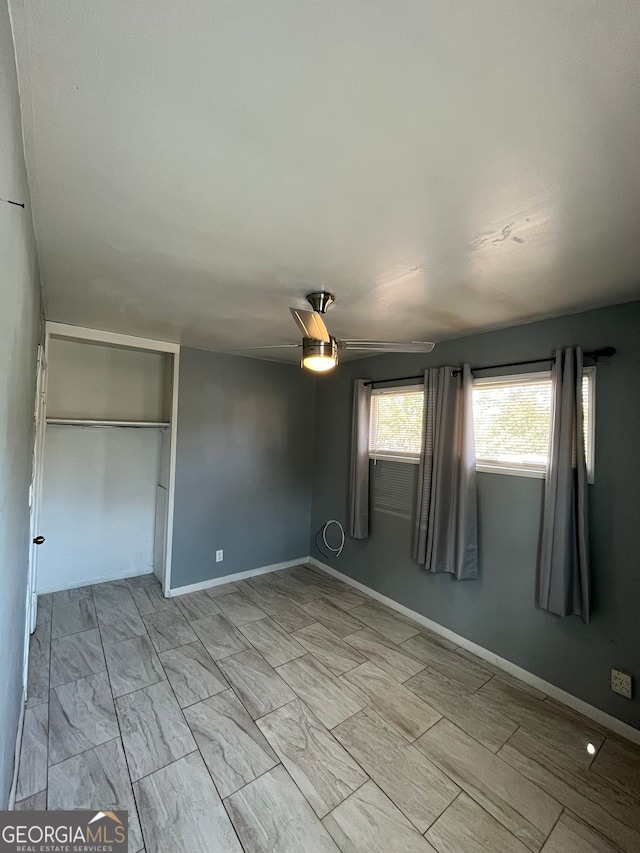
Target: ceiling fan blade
point(271, 346)
point(310, 324)
point(387, 346)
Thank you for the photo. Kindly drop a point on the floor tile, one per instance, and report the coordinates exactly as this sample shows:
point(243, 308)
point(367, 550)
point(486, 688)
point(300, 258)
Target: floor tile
point(399, 707)
point(44, 608)
point(368, 822)
point(180, 810)
point(469, 674)
point(384, 623)
point(343, 596)
point(274, 644)
point(435, 638)
point(560, 735)
point(394, 660)
point(196, 605)
point(149, 599)
point(132, 664)
point(336, 620)
point(523, 808)
point(168, 629)
point(262, 583)
point(619, 762)
point(504, 676)
point(154, 731)
point(76, 656)
point(97, 777)
point(120, 622)
point(32, 770)
point(611, 810)
point(111, 594)
point(346, 597)
point(233, 747)
point(238, 608)
point(571, 835)
point(76, 594)
point(305, 574)
point(81, 716)
point(37, 802)
point(192, 673)
point(470, 712)
point(72, 617)
point(516, 702)
point(219, 637)
point(282, 610)
point(322, 769)
point(39, 665)
point(257, 684)
point(271, 816)
point(329, 699)
point(417, 787)
point(287, 580)
point(331, 651)
point(222, 589)
point(465, 827)
point(148, 579)
point(293, 589)
point(565, 710)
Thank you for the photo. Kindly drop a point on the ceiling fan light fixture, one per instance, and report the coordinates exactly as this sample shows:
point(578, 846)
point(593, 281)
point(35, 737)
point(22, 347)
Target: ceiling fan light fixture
point(319, 356)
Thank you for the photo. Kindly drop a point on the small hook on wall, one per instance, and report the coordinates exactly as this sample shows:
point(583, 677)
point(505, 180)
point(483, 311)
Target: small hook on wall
point(8, 201)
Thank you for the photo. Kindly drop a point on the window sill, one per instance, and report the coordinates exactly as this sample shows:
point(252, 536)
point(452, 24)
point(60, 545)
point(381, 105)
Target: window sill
point(535, 473)
point(387, 457)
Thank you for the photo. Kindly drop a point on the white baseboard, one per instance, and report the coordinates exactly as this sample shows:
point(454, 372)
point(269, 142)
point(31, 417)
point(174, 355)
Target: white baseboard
point(16, 756)
point(238, 576)
point(112, 576)
point(551, 690)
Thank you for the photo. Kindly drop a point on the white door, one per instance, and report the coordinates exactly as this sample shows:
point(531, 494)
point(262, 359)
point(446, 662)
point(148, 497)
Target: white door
point(36, 486)
point(160, 533)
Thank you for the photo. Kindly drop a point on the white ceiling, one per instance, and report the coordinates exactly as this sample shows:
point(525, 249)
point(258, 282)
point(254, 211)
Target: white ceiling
point(196, 166)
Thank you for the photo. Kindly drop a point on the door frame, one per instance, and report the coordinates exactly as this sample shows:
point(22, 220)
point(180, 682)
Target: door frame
point(81, 333)
point(35, 494)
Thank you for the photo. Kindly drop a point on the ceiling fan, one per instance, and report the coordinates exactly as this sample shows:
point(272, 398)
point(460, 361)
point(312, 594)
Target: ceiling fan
point(320, 349)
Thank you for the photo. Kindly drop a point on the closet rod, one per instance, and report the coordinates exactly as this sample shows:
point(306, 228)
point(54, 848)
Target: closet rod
point(86, 422)
point(594, 355)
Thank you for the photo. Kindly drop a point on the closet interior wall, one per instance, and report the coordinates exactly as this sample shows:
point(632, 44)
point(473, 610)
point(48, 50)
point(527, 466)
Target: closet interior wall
point(107, 472)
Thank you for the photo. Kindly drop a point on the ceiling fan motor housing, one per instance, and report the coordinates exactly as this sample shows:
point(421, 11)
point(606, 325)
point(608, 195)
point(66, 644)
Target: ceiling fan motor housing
point(320, 300)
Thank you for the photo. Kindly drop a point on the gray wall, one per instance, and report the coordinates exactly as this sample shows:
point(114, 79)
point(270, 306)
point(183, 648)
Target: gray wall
point(19, 328)
point(244, 462)
point(498, 611)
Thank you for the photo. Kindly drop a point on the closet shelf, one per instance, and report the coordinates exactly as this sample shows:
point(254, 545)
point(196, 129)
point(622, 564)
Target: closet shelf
point(92, 422)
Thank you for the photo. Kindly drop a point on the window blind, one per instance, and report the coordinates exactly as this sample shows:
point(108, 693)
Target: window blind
point(396, 424)
point(393, 487)
point(512, 419)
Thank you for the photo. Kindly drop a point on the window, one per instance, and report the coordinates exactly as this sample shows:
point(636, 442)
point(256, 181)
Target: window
point(512, 421)
point(395, 433)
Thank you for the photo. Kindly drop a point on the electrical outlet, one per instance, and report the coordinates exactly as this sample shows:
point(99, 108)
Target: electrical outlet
point(219, 556)
point(621, 683)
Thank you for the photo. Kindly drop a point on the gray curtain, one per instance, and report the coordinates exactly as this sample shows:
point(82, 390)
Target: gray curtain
point(446, 532)
point(563, 571)
point(359, 482)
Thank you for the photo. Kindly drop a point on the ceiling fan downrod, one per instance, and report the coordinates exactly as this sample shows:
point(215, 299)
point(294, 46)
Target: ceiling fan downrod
point(320, 300)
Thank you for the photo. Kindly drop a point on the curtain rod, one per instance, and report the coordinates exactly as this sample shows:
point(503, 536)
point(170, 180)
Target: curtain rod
point(594, 355)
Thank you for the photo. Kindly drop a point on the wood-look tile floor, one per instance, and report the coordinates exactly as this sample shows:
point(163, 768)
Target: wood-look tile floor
point(290, 713)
